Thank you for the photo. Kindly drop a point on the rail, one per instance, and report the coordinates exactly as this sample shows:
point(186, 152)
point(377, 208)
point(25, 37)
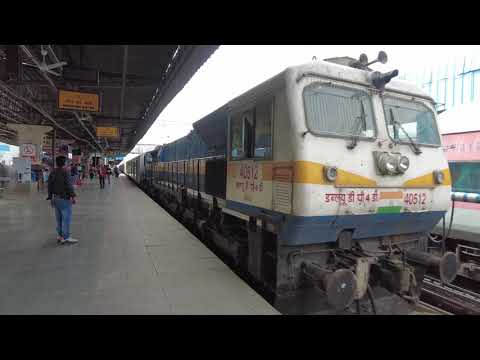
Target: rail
point(449, 297)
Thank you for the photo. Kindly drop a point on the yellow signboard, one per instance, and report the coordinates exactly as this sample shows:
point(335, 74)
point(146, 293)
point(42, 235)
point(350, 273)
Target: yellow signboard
point(107, 132)
point(74, 100)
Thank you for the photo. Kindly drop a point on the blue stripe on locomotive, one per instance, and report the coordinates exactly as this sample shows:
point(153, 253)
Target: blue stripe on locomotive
point(305, 230)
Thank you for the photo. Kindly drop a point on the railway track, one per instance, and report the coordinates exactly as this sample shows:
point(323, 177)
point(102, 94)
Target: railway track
point(427, 309)
point(450, 298)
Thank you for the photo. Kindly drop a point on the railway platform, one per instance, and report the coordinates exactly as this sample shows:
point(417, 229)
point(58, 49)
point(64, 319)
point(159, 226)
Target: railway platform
point(132, 258)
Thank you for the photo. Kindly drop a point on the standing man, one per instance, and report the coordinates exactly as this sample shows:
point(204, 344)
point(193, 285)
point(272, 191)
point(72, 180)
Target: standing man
point(74, 173)
point(45, 175)
point(62, 196)
point(92, 172)
point(109, 172)
point(102, 172)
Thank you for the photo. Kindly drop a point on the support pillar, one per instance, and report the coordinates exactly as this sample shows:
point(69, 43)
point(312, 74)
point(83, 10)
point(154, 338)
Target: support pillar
point(30, 141)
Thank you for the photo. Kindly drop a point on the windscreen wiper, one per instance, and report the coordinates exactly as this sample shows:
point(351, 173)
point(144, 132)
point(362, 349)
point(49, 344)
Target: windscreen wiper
point(355, 127)
point(416, 150)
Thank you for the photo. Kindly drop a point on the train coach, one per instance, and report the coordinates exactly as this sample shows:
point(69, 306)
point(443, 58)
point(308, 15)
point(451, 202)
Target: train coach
point(323, 182)
point(461, 139)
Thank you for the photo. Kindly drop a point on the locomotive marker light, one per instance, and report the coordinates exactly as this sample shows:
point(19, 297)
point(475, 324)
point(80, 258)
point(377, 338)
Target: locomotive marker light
point(340, 285)
point(446, 266)
point(331, 173)
point(439, 177)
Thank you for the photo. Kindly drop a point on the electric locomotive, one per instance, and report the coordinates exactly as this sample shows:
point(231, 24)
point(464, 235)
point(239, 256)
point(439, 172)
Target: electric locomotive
point(323, 182)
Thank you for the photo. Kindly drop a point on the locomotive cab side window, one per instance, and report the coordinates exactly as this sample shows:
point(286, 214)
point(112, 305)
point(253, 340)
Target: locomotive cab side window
point(263, 131)
point(340, 111)
point(251, 133)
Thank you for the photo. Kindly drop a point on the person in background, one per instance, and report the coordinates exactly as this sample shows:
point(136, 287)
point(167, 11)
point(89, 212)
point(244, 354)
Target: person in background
point(61, 196)
point(115, 170)
point(102, 172)
point(40, 178)
point(109, 172)
point(45, 175)
point(92, 172)
point(74, 173)
point(79, 176)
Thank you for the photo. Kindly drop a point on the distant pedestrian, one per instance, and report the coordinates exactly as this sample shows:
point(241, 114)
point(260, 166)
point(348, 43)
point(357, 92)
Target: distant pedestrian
point(102, 172)
point(109, 173)
point(40, 178)
point(62, 196)
point(74, 173)
point(115, 170)
point(45, 175)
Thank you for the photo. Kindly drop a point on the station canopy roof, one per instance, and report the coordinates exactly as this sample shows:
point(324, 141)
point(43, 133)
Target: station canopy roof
point(40, 85)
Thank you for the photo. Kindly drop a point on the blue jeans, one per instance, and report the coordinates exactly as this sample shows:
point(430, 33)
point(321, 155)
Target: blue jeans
point(63, 213)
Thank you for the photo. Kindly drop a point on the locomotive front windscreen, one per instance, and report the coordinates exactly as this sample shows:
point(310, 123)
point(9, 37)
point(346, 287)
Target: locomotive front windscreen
point(415, 119)
point(338, 111)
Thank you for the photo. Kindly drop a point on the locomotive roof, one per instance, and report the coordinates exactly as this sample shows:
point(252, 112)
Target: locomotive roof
point(345, 73)
point(322, 69)
point(212, 127)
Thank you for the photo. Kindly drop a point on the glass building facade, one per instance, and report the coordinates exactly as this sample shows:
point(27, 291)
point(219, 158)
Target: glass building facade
point(452, 84)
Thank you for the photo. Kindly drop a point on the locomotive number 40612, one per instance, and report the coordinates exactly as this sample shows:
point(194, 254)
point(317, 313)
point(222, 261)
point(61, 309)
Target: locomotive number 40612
point(415, 198)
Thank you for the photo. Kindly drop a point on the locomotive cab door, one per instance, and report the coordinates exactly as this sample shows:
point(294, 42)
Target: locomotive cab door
point(249, 169)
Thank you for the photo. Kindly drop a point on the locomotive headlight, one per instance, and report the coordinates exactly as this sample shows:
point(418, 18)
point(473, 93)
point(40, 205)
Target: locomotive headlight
point(390, 165)
point(331, 173)
point(386, 164)
point(438, 176)
point(403, 164)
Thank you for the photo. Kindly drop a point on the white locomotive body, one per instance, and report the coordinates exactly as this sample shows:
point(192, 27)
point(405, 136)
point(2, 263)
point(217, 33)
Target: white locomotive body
point(328, 175)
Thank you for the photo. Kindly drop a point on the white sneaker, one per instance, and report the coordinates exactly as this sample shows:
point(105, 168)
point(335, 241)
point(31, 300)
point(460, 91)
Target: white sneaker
point(71, 240)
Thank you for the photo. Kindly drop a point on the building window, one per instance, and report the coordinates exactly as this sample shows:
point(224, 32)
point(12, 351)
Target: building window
point(442, 91)
point(476, 85)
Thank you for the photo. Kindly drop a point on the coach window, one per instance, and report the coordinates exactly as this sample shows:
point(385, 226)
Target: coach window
point(465, 176)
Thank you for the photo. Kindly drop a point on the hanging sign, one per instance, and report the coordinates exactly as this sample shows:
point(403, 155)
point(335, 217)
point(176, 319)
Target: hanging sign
point(107, 132)
point(74, 100)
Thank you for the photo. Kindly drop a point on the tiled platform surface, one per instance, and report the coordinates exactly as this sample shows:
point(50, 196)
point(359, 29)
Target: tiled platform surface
point(132, 258)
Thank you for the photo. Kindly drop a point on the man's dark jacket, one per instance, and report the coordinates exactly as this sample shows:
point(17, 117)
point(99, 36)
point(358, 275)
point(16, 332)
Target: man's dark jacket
point(60, 184)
